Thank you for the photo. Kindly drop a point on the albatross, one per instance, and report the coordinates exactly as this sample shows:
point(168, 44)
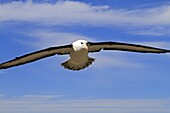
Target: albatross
point(78, 52)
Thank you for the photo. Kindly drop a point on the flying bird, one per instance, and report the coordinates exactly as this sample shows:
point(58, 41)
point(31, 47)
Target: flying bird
point(78, 52)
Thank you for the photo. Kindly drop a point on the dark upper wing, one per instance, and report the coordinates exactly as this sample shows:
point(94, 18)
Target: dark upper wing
point(96, 47)
point(60, 50)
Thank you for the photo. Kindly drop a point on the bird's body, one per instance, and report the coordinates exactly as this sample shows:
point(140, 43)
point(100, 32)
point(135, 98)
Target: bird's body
point(79, 58)
point(78, 52)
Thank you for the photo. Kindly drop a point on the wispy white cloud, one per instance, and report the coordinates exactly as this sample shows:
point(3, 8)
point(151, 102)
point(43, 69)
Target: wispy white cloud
point(74, 12)
point(21, 104)
point(41, 97)
point(46, 38)
point(151, 31)
point(105, 60)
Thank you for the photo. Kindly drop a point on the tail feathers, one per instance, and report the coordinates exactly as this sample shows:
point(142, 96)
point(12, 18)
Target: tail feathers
point(77, 66)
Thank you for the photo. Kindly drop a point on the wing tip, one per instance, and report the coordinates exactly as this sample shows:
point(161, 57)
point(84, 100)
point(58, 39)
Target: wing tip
point(167, 51)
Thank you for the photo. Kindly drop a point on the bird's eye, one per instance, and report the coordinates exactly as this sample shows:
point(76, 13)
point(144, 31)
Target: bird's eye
point(81, 42)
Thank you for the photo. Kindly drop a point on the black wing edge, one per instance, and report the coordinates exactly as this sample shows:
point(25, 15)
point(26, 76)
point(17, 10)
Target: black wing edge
point(112, 43)
point(43, 50)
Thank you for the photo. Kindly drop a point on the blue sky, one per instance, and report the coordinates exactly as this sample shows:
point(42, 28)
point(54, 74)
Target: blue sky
point(118, 82)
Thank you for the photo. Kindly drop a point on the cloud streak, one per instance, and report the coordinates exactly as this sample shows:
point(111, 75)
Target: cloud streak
point(46, 38)
point(41, 97)
point(74, 12)
point(105, 60)
point(33, 105)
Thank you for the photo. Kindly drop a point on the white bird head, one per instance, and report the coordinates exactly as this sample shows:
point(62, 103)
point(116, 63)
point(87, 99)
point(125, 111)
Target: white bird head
point(80, 44)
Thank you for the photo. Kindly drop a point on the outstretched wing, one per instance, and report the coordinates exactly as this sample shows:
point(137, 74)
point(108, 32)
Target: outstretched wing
point(96, 47)
point(60, 50)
